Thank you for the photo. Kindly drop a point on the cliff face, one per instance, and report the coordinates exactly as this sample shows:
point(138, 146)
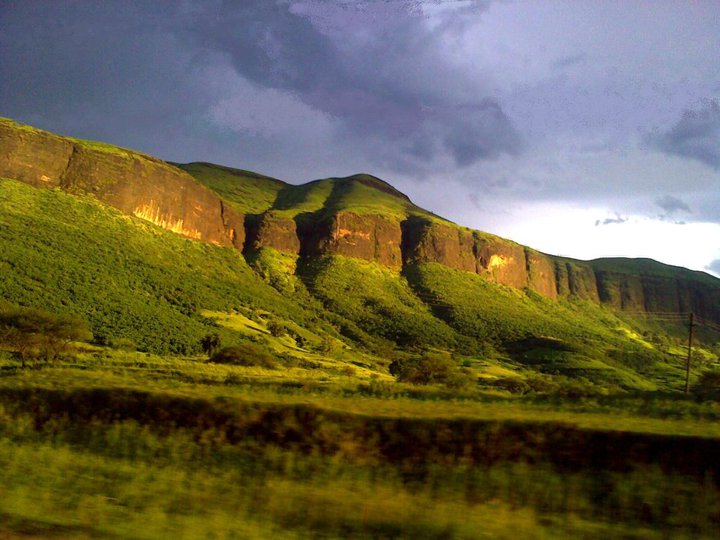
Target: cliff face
point(133, 183)
point(427, 241)
point(498, 260)
point(369, 237)
point(680, 291)
point(501, 261)
point(574, 278)
point(272, 230)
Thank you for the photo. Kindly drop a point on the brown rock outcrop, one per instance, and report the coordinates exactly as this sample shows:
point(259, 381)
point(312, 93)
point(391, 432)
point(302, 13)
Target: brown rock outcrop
point(429, 241)
point(500, 261)
point(33, 156)
point(370, 237)
point(131, 182)
point(621, 291)
point(574, 278)
point(272, 230)
point(541, 273)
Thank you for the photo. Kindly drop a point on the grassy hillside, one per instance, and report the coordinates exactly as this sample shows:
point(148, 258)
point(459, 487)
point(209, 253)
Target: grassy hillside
point(252, 193)
point(248, 192)
point(128, 278)
point(572, 338)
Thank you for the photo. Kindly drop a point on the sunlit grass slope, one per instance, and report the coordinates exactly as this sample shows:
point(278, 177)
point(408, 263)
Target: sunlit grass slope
point(572, 338)
point(252, 193)
point(128, 278)
point(248, 192)
point(377, 300)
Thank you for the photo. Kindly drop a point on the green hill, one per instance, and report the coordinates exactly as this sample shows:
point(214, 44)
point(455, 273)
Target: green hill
point(338, 258)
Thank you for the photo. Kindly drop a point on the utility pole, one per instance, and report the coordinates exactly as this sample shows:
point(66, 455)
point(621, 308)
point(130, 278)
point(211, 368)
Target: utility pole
point(689, 356)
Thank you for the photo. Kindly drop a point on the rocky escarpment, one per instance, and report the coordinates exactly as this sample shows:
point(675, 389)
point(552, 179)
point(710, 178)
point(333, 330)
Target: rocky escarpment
point(496, 259)
point(404, 235)
point(420, 240)
point(646, 286)
point(131, 182)
point(273, 230)
point(369, 237)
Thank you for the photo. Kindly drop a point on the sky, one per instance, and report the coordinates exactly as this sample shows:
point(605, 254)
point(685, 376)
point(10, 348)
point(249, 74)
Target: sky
point(581, 128)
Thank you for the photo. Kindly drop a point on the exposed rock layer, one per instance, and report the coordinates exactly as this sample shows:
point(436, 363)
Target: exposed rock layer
point(131, 182)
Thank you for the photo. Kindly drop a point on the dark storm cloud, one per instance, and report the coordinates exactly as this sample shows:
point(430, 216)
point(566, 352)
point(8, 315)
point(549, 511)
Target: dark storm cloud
point(368, 84)
point(482, 131)
point(135, 73)
point(696, 135)
point(114, 71)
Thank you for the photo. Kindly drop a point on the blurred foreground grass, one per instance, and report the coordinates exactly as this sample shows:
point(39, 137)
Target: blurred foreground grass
point(127, 445)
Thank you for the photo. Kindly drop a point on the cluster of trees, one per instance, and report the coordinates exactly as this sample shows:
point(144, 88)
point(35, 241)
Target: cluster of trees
point(430, 368)
point(34, 333)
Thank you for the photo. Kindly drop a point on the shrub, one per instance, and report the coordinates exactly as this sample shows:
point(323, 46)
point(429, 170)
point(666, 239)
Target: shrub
point(245, 354)
point(514, 385)
point(121, 344)
point(429, 368)
point(708, 385)
point(277, 329)
point(210, 343)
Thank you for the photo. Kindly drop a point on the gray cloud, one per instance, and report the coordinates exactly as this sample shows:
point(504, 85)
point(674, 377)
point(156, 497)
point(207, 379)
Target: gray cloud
point(144, 74)
point(714, 267)
point(696, 135)
point(671, 204)
point(379, 77)
point(611, 221)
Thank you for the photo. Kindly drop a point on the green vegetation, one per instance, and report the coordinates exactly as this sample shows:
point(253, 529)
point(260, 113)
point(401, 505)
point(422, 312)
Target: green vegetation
point(127, 278)
point(113, 443)
point(248, 192)
point(430, 368)
point(245, 354)
point(251, 193)
point(375, 300)
point(35, 333)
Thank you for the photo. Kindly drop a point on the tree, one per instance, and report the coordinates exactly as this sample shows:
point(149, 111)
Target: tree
point(428, 369)
point(708, 385)
point(58, 332)
point(22, 343)
point(244, 354)
point(210, 343)
point(30, 329)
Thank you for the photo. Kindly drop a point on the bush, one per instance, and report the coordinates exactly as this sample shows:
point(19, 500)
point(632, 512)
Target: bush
point(245, 354)
point(277, 329)
point(514, 385)
point(708, 385)
point(121, 344)
point(430, 368)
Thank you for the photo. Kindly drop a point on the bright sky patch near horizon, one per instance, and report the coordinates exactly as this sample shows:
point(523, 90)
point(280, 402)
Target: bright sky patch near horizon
point(580, 128)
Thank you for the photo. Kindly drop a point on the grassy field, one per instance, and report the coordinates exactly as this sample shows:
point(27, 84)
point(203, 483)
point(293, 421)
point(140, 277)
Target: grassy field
point(124, 444)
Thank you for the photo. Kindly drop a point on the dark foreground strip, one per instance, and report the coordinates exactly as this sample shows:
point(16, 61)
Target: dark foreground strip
point(410, 441)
